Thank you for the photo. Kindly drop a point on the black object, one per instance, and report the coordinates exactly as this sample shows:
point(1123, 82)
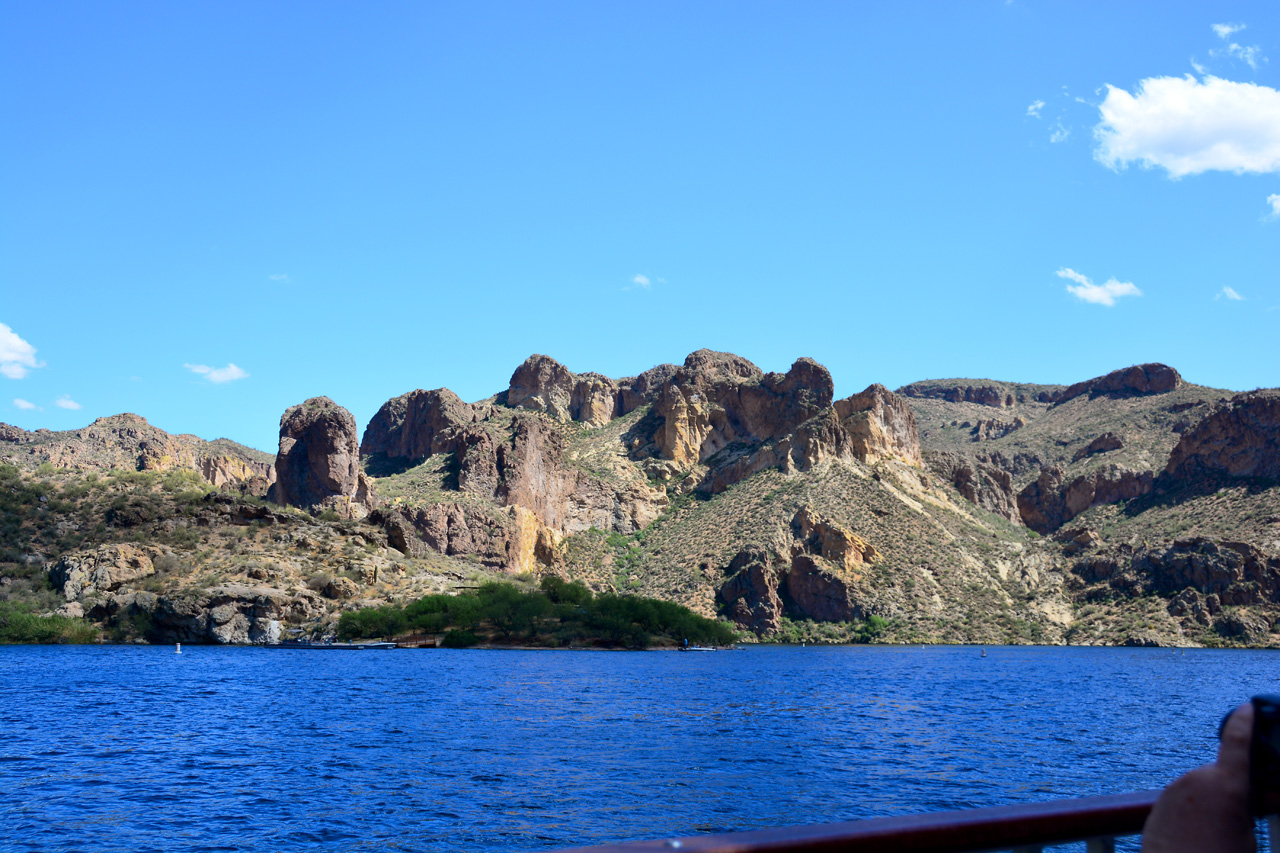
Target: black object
point(1264, 755)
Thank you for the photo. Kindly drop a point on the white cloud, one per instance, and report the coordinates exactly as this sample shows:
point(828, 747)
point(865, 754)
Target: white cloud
point(217, 374)
point(25, 405)
point(1035, 108)
point(1225, 31)
point(1060, 133)
point(65, 402)
point(1186, 126)
point(1229, 293)
point(1098, 294)
point(16, 355)
point(284, 277)
point(641, 281)
point(1274, 201)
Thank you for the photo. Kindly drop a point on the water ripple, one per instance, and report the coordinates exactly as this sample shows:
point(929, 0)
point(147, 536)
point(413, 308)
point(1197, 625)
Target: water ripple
point(135, 748)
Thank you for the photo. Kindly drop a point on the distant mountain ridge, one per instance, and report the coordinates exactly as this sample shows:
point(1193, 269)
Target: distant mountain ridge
point(759, 497)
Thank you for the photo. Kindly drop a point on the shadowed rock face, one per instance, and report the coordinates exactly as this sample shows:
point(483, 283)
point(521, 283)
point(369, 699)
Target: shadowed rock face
point(815, 575)
point(1240, 439)
point(636, 391)
point(416, 425)
point(1104, 443)
point(996, 396)
point(318, 465)
point(1131, 381)
point(1207, 572)
point(1051, 501)
point(230, 613)
point(985, 485)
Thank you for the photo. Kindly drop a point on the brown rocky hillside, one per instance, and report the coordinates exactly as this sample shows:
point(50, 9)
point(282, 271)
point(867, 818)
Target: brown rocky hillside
point(1133, 507)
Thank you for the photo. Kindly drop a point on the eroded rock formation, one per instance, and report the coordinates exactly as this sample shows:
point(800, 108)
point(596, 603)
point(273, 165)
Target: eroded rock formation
point(543, 384)
point(1128, 382)
point(318, 465)
point(1199, 575)
point(226, 614)
point(1051, 500)
point(103, 569)
point(1241, 438)
point(988, 486)
point(994, 395)
point(718, 399)
point(815, 575)
point(416, 425)
point(1104, 443)
point(128, 442)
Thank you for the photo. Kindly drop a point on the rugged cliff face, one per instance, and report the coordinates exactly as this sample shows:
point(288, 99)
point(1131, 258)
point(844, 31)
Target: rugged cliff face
point(1140, 379)
point(1053, 500)
point(987, 486)
point(416, 425)
point(1241, 438)
point(318, 466)
point(815, 572)
point(751, 495)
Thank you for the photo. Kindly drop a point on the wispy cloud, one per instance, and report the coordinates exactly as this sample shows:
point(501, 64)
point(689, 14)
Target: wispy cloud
point(1099, 294)
point(280, 276)
point(1250, 55)
point(25, 405)
point(641, 281)
point(1229, 293)
point(1274, 201)
point(217, 374)
point(17, 357)
point(1060, 133)
point(65, 402)
point(1035, 108)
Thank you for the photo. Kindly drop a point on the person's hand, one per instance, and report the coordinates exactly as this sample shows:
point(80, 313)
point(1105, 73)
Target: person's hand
point(1207, 810)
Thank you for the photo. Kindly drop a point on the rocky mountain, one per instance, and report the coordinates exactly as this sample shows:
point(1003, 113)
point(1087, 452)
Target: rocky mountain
point(127, 442)
point(1133, 507)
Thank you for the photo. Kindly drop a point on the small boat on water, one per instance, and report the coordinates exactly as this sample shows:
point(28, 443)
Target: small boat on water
point(330, 647)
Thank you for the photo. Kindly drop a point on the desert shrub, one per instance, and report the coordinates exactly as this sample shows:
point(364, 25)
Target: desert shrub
point(317, 581)
point(19, 625)
point(459, 639)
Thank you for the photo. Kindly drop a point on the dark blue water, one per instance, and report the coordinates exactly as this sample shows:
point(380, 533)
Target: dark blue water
point(136, 748)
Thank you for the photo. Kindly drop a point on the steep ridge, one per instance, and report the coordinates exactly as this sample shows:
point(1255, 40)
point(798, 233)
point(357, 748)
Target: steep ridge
point(1135, 507)
point(1145, 482)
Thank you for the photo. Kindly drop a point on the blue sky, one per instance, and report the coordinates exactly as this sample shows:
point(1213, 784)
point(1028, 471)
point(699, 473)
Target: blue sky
point(212, 211)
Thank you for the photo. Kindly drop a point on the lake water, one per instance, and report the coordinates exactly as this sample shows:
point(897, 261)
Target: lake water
point(137, 748)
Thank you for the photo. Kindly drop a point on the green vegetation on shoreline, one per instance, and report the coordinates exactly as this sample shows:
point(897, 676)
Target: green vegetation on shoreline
point(19, 625)
point(559, 615)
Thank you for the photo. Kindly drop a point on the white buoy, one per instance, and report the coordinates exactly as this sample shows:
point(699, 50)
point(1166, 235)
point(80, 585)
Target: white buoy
point(178, 650)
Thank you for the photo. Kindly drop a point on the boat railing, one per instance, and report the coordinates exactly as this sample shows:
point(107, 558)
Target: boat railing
point(1094, 822)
